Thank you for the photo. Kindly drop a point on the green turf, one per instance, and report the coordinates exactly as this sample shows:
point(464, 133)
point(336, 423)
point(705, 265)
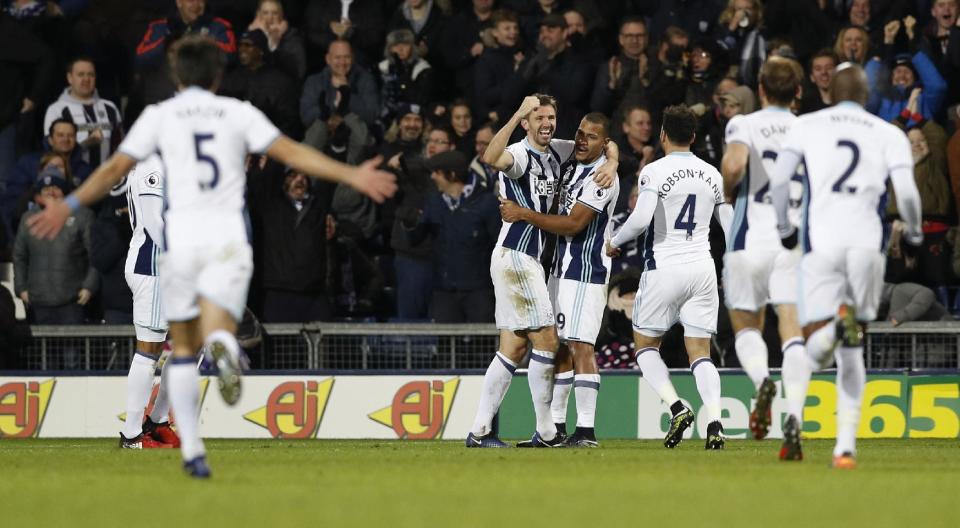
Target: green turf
point(381, 483)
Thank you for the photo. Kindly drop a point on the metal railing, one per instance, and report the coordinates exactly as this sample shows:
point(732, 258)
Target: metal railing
point(387, 346)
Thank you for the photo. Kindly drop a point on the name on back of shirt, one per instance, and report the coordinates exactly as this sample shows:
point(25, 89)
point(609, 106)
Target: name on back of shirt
point(774, 130)
point(851, 119)
point(201, 111)
point(679, 175)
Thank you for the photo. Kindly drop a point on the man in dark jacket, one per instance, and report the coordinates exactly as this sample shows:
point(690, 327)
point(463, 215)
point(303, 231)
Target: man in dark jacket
point(495, 65)
point(425, 19)
point(265, 86)
point(462, 43)
point(464, 222)
point(625, 77)
point(294, 231)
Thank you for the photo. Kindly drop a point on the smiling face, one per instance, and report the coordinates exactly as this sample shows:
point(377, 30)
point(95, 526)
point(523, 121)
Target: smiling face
point(340, 58)
point(589, 141)
point(411, 126)
point(902, 77)
point(860, 12)
point(821, 71)
point(296, 185)
point(638, 126)
point(506, 33)
point(460, 119)
point(540, 125)
point(63, 138)
point(82, 79)
point(271, 12)
point(854, 44)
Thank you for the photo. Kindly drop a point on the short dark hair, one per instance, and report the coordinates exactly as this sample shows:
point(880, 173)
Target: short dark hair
point(503, 15)
point(632, 20)
point(197, 61)
point(451, 135)
point(633, 107)
point(547, 100)
point(780, 78)
point(598, 118)
point(824, 52)
point(679, 124)
point(80, 58)
point(59, 121)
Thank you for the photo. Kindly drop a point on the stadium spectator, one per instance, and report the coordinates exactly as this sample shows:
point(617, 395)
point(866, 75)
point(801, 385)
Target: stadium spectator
point(295, 230)
point(461, 121)
point(464, 223)
point(265, 86)
point(953, 161)
point(405, 135)
point(499, 61)
point(412, 260)
point(697, 18)
point(462, 41)
point(362, 24)
point(405, 77)
point(340, 95)
point(637, 148)
point(859, 14)
point(816, 93)
point(485, 174)
point(557, 71)
point(624, 78)
point(908, 301)
point(852, 45)
point(739, 34)
point(668, 75)
point(284, 43)
point(99, 123)
point(50, 164)
point(805, 24)
point(109, 242)
point(907, 70)
point(426, 21)
point(584, 39)
point(943, 43)
point(54, 278)
point(728, 101)
point(707, 64)
point(533, 14)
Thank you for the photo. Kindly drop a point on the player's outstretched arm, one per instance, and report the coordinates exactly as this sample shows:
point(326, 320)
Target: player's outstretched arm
point(563, 225)
point(48, 223)
point(732, 166)
point(496, 154)
point(637, 222)
point(365, 178)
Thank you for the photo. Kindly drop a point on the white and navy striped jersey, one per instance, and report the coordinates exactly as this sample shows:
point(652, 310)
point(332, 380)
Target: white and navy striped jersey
point(144, 187)
point(848, 154)
point(203, 141)
point(98, 114)
point(688, 189)
point(583, 257)
point(532, 182)
point(755, 220)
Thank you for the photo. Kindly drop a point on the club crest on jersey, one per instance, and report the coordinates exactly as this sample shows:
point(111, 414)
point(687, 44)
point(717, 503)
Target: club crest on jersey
point(599, 193)
point(152, 180)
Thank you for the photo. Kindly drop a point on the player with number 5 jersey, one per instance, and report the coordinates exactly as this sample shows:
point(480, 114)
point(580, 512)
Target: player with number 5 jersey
point(203, 141)
point(678, 196)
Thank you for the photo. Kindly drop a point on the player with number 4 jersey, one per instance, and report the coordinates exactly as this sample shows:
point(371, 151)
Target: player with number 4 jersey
point(678, 196)
point(849, 155)
point(203, 141)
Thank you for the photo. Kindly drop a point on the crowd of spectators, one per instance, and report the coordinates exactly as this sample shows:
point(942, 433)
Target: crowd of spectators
point(423, 85)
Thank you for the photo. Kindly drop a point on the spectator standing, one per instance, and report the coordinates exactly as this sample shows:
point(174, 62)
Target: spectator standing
point(805, 24)
point(637, 148)
point(625, 77)
point(463, 41)
point(265, 86)
point(461, 121)
point(405, 77)
point(500, 59)
point(426, 21)
point(739, 34)
point(816, 95)
point(359, 22)
point(852, 45)
point(99, 123)
point(285, 44)
point(54, 277)
point(707, 63)
point(340, 95)
point(485, 175)
point(464, 222)
point(295, 230)
point(668, 72)
point(943, 42)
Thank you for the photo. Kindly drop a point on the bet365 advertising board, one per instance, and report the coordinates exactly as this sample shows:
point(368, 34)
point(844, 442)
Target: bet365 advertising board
point(442, 406)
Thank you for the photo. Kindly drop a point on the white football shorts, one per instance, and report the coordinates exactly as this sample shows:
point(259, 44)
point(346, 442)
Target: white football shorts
point(208, 257)
point(523, 302)
point(844, 276)
point(686, 293)
point(754, 278)
point(578, 307)
point(148, 317)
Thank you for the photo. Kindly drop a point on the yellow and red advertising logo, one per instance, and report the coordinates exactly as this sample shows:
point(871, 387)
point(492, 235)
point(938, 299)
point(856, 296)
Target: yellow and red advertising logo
point(204, 384)
point(420, 409)
point(23, 405)
point(294, 409)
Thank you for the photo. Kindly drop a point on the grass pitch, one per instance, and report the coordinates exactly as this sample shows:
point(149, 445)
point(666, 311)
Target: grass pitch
point(376, 483)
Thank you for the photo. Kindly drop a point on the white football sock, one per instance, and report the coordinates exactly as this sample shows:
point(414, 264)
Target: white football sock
point(561, 397)
point(587, 388)
point(540, 378)
point(185, 398)
point(495, 384)
point(796, 377)
point(708, 385)
point(654, 370)
point(820, 347)
point(139, 387)
point(851, 378)
point(161, 405)
point(752, 353)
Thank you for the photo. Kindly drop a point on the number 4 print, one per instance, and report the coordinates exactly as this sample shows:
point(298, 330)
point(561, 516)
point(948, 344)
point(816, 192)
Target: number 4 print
point(688, 210)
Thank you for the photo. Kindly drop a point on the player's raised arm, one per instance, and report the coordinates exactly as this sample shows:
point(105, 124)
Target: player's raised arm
point(496, 154)
point(365, 178)
point(48, 222)
point(564, 225)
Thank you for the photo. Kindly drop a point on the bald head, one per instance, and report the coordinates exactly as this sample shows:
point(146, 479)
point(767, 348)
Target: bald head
point(849, 83)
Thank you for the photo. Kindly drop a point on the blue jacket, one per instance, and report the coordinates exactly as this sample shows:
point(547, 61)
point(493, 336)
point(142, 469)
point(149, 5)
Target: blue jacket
point(463, 239)
point(889, 101)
